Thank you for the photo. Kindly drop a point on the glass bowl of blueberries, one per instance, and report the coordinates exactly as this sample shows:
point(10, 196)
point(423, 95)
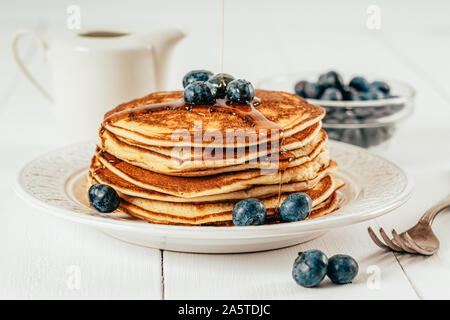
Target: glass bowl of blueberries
point(364, 111)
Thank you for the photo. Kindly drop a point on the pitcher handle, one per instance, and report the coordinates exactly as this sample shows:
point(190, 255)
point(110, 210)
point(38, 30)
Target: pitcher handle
point(16, 38)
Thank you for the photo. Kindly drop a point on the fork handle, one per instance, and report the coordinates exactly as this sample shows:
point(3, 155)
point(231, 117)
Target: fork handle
point(431, 213)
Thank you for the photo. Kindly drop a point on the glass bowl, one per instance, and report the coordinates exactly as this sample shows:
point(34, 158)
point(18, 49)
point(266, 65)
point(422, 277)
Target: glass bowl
point(369, 123)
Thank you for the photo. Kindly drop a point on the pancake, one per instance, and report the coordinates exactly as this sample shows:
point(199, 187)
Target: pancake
point(220, 212)
point(156, 126)
point(181, 164)
point(188, 187)
point(185, 162)
point(101, 174)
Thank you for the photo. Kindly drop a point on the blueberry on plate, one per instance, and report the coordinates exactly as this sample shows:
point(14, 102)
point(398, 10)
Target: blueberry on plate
point(103, 198)
point(240, 91)
point(196, 75)
point(300, 88)
point(296, 207)
point(331, 79)
point(310, 268)
point(331, 94)
point(342, 269)
point(199, 92)
point(382, 86)
point(360, 84)
point(220, 82)
point(249, 212)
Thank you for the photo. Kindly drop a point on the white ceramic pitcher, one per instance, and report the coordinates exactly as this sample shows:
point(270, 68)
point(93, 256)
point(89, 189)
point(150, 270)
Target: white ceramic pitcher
point(94, 71)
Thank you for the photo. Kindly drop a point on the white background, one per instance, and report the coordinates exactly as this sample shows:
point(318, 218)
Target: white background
point(262, 38)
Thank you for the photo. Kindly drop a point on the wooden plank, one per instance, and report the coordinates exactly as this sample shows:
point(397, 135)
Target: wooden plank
point(267, 275)
point(42, 256)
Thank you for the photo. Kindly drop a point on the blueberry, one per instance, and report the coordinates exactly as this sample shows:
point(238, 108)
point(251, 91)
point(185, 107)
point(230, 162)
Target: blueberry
point(331, 79)
point(362, 96)
point(296, 207)
point(199, 92)
point(349, 93)
point(331, 94)
point(312, 90)
point(382, 86)
point(300, 88)
point(310, 268)
point(240, 91)
point(249, 212)
point(375, 94)
point(103, 198)
point(360, 84)
point(220, 82)
point(196, 75)
point(342, 269)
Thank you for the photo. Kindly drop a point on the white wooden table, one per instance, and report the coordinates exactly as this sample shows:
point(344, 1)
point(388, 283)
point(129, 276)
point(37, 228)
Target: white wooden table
point(40, 255)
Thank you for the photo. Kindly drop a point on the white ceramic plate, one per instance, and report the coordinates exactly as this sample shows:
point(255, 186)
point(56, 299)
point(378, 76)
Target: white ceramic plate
point(54, 183)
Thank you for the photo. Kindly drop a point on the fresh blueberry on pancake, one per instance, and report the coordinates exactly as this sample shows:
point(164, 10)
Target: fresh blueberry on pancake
point(342, 269)
point(310, 268)
point(360, 84)
point(249, 212)
point(296, 207)
point(196, 75)
point(200, 92)
point(331, 79)
point(220, 82)
point(382, 86)
point(103, 198)
point(332, 94)
point(240, 91)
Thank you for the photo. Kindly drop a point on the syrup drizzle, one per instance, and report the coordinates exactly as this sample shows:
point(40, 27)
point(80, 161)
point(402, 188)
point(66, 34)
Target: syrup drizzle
point(246, 112)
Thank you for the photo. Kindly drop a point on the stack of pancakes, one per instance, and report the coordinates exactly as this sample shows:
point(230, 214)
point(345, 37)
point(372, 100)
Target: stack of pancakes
point(151, 154)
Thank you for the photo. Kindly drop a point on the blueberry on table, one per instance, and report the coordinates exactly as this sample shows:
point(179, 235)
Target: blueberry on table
point(360, 84)
point(331, 94)
point(382, 86)
point(199, 92)
point(312, 90)
point(196, 75)
point(310, 268)
point(220, 82)
point(240, 91)
point(296, 207)
point(331, 79)
point(300, 88)
point(342, 269)
point(103, 198)
point(249, 212)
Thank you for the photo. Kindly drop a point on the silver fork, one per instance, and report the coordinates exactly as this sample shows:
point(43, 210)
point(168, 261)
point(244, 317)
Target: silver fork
point(420, 239)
